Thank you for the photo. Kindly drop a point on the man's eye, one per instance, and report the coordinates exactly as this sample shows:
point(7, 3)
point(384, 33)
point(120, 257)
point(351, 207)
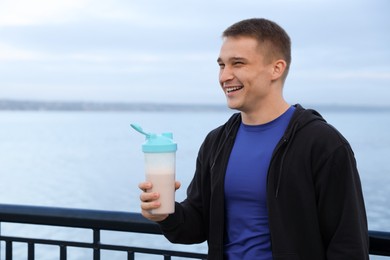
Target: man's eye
point(238, 63)
point(221, 66)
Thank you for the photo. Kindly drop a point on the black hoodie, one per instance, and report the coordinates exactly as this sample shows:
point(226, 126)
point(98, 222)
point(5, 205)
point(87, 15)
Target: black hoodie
point(314, 196)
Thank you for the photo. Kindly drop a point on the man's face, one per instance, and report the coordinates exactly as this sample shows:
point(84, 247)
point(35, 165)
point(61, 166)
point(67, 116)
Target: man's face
point(244, 75)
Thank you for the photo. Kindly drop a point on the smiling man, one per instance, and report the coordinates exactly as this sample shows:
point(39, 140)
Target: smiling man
point(253, 82)
point(275, 181)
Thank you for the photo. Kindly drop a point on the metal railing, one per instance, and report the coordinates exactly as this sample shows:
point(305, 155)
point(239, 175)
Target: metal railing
point(98, 221)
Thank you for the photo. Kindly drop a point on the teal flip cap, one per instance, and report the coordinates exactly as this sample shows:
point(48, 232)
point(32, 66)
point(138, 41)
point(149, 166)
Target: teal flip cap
point(159, 143)
point(154, 143)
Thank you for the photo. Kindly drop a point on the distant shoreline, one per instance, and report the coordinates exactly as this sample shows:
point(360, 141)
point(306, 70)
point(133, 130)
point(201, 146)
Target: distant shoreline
point(32, 105)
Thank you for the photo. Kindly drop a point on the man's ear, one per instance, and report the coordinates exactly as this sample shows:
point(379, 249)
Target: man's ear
point(278, 69)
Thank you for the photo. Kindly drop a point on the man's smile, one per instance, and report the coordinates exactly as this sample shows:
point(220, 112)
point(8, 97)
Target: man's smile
point(232, 89)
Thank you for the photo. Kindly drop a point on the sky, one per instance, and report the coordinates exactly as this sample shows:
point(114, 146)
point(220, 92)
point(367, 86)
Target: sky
point(166, 51)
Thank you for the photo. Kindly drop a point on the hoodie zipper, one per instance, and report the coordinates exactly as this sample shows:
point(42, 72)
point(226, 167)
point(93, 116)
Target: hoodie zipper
point(286, 141)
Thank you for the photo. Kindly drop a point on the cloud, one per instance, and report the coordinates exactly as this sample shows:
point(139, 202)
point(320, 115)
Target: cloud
point(26, 12)
point(77, 47)
point(336, 74)
point(362, 74)
point(10, 53)
point(38, 12)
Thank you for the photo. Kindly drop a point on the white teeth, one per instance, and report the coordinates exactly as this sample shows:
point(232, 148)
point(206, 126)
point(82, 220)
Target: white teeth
point(228, 90)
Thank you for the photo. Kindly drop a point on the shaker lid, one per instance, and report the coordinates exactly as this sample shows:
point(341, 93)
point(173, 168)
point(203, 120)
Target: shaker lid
point(159, 143)
point(156, 143)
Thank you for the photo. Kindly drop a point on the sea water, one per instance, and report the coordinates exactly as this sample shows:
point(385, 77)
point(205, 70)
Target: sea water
point(94, 160)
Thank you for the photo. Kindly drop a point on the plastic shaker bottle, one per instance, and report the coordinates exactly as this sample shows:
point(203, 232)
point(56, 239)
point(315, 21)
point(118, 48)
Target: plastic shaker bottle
point(160, 167)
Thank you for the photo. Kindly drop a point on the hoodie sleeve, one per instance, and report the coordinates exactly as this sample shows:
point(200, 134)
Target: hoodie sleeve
point(191, 221)
point(341, 209)
point(188, 224)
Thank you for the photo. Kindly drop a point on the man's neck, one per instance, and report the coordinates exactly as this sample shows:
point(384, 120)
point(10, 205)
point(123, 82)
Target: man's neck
point(265, 113)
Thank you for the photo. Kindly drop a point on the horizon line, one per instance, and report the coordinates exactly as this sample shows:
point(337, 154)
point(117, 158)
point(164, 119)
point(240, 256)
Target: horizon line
point(75, 105)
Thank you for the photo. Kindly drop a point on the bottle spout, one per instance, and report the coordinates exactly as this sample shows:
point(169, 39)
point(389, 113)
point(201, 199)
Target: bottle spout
point(139, 129)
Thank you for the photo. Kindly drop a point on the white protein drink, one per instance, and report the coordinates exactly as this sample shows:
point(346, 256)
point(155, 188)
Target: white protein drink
point(163, 183)
point(160, 171)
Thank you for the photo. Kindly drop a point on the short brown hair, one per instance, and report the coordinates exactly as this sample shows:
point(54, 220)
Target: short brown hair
point(264, 31)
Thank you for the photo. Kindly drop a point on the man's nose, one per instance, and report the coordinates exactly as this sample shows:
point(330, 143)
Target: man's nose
point(225, 75)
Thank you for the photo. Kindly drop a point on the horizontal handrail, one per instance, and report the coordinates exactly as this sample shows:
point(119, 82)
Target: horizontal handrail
point(121, 221)
point(379, 243)
point(81, 218)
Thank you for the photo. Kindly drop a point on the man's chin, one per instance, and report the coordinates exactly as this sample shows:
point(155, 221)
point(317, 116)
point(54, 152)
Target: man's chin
point(232, 105)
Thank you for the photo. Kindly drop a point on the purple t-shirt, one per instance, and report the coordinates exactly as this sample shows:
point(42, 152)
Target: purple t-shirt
point(247, 230)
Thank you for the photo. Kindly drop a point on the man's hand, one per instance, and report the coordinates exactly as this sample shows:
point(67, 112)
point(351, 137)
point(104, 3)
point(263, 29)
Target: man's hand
point(149, 201)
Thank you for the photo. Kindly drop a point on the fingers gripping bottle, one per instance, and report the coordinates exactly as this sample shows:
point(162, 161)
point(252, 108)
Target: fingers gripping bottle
point(160, 167)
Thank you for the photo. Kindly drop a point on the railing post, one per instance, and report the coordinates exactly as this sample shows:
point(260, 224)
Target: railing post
point(96, 244)
point(63, 255)
point(8, 250)
point(130, 255)
point(31, 251)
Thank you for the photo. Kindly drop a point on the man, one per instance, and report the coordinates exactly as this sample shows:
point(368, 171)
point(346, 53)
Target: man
point(275, 181)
